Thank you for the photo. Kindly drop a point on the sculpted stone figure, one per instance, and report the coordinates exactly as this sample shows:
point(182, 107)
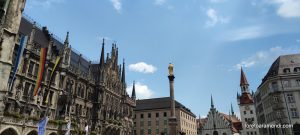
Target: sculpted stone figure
point(171, 69)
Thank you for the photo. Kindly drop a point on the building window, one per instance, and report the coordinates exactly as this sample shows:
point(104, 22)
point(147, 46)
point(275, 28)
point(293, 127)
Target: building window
point(149, 123)
point(142, 116)
point(286, 70)
point(26, 89)
point(294, 113)
point(48, 75)
point(298, 83)
point(286, 83)
point(165, 114)
point(165, 122)
point(245, 112)
point(290, 98)
point(251, 112)
point(149, 131)
point(297, 69)
point(274, 86)
point(149, 115)
point(275, 98)
point(141, 123)
point(165, 130)
point(36, 70)
point(142, 131)
point(157, 131)
point(30, 69)
point(157, 123)
point(157, 115)
point(278, 114)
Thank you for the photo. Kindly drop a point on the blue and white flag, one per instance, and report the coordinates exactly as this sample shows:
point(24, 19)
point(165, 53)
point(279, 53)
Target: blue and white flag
point(18, 59)
point(42, 126)
point(68, 128)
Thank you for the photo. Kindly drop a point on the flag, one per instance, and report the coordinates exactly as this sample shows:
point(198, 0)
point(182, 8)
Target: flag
point(68, 128)
point(53, 70)
point(42, 126)
point(51, 77)
point(17, 60)
point(43, 54)
point(86, 129)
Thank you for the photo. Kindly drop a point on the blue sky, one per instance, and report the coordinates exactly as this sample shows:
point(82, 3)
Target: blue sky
point(207, 40)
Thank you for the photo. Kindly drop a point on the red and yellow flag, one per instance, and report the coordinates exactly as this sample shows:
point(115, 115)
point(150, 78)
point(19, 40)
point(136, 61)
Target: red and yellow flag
point(43, 55)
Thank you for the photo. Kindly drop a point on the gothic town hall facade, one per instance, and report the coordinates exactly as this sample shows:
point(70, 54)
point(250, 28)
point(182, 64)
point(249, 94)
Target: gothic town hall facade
point(88, 94)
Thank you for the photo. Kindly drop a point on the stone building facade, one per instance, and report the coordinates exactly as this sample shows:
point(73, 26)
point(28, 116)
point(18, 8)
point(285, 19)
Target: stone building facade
point(277, 97)
point(217, 123)
point(86, 93)
point(151, 117)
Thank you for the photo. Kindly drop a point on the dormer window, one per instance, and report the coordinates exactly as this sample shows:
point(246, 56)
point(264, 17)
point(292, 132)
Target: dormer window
point(286, 70)
point(297, 69)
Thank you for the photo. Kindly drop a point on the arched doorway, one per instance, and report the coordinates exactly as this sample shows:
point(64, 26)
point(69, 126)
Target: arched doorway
point(215, 133)
point(33, 132)
point(296, 129)
point(53, 133)
point(9, 131)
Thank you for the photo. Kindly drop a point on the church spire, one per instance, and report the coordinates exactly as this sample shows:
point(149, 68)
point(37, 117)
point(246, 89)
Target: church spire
point(211, 102)
point(123, 73)
point(66, 43)
point(232, 112)
point(102, 55)
point(244, 83)
point(133, 96)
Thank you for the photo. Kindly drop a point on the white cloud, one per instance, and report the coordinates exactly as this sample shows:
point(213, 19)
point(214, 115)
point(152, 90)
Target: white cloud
point(214, 18)
point(43, 3)
point(244, 33)
point(160, 2)
point(265, 58)
point(142, 91)
point(287, 8)
point(117, 5)
point(142, 67)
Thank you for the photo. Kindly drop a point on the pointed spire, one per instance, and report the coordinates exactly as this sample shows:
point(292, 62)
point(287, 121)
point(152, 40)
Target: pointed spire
point(237, 95)
point(107, 57)
point(112, 51)
point(232, 112)
point(243, 81)
point(133, 96)
point(66, 43)
point(211, 102)
point(102, 55)
point(116, 59)
point(123, 73)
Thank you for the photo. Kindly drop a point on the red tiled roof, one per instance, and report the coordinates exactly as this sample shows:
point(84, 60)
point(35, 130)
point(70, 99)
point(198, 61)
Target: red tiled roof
point(236, 123)
point(243, 79)
point(246, 98)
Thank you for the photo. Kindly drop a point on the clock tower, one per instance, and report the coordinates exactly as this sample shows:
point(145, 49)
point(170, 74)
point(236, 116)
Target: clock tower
point(246, 106)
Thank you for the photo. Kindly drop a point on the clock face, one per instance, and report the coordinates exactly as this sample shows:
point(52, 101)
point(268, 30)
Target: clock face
point(249, 122)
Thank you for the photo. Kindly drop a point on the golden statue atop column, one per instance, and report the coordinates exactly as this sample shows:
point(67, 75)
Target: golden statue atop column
point(171, 66)
point(172, 118)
